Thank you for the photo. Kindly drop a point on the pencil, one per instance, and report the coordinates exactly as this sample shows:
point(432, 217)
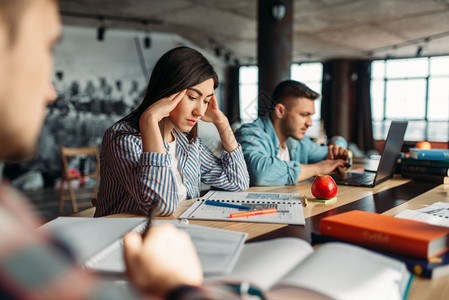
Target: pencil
point(253, 213)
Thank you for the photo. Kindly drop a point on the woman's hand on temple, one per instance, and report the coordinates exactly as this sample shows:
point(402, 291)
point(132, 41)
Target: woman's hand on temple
point(161, 108)
point(152, 140)
point(213, 113)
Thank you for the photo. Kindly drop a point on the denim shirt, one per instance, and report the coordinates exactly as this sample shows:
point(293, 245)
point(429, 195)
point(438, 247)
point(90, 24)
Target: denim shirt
point(260, 146)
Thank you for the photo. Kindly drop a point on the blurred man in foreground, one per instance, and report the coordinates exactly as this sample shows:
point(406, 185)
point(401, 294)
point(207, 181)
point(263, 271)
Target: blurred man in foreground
point(35, 265)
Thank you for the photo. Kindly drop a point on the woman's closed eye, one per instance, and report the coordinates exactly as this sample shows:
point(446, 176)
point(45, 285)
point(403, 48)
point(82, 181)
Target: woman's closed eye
point(207, 99)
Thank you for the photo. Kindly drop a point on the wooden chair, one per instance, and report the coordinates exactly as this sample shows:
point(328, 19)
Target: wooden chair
point(67, 178)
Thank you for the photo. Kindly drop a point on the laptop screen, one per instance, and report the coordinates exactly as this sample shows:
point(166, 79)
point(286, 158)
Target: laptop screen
point(392, 150)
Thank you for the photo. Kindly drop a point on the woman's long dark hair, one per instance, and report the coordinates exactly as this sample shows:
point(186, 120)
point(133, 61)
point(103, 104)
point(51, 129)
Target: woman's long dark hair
point(176, 70)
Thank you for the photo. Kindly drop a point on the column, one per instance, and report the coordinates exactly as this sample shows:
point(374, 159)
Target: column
point(274, 47)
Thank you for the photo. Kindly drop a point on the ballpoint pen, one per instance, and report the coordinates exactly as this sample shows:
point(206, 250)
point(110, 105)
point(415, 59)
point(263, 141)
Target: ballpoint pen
point(149, 215)
point(253, 213)
point(225, 204)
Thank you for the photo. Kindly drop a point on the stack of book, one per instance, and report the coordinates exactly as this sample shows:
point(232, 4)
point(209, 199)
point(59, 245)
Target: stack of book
point(421, 246)
point(427, 165)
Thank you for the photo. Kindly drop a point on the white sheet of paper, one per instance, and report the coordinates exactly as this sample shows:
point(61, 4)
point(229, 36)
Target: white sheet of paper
point(290, 210)
point(436, 214)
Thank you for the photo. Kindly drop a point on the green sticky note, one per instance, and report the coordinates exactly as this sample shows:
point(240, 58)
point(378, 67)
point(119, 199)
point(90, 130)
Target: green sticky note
point(325, 201)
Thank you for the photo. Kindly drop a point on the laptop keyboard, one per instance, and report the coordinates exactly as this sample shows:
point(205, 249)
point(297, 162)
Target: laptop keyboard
point(361, 177)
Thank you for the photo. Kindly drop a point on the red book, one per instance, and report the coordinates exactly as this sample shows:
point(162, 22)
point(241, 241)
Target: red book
point(403, 236)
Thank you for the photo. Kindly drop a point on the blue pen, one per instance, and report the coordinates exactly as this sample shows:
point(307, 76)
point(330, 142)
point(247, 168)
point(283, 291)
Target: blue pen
point(225, 204)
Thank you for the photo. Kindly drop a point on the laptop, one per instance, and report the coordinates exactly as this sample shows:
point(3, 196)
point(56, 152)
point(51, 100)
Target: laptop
point(387, 163)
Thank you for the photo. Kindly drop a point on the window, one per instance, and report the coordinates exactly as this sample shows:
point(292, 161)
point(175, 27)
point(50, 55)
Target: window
point(414, 89)
point(248, 81)
point(309, 73)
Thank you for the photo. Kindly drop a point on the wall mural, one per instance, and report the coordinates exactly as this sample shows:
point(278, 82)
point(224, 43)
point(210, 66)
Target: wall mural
point(78, 118)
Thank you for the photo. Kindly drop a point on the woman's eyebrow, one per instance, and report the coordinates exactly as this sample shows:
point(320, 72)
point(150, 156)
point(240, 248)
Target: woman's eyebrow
point(196, 90)
point(199, 92)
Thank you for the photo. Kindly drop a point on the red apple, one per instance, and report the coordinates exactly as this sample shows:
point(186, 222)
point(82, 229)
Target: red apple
point(324, 187)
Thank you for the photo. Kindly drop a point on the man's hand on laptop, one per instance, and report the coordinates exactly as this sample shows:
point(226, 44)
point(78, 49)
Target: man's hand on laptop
point(337, 152)
point(326, 166)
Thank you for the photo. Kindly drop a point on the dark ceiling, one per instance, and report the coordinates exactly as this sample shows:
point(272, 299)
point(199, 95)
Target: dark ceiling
point(323, 29)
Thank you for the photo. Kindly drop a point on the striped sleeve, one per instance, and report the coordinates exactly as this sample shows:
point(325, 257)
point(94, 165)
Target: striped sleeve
point(146, 176)
point(228, 172)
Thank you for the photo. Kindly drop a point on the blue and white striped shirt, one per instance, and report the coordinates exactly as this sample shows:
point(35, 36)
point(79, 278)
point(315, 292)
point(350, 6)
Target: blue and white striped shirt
point(132, 180)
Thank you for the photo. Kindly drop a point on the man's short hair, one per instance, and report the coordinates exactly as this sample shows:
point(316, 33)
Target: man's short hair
point(291, 88)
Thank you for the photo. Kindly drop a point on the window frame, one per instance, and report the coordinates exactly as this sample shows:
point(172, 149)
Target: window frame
point(380, 126)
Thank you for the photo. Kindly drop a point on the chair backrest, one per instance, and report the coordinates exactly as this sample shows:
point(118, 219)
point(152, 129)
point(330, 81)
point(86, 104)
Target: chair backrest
point(67, 177)
point(67, 152)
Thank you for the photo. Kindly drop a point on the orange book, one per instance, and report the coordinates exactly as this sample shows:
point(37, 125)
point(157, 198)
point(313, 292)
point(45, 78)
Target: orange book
point(403, 236)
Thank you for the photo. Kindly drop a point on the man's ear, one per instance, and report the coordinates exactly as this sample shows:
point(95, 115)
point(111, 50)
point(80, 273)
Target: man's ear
point(279, 110)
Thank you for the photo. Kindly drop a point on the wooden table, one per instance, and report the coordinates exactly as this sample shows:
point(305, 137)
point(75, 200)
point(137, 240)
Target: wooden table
point(387, 198)
point(377, 199)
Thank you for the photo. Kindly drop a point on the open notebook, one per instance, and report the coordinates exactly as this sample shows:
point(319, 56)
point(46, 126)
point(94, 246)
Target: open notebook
point(283, 266)
point(289, 268)
point(97, 242)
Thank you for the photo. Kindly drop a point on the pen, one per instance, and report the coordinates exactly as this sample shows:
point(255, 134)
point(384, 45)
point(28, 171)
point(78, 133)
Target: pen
point(149, 217)
point(253, 213)
point(225, 204)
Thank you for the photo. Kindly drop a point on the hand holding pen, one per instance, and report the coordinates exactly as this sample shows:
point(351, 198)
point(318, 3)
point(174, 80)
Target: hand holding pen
point(153, 260)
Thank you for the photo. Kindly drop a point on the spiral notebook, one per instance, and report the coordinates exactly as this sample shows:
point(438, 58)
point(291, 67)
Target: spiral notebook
point(97, 243)
point(288, 205)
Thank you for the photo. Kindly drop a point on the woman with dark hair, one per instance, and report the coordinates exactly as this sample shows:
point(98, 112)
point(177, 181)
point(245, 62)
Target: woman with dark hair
point(153, 157)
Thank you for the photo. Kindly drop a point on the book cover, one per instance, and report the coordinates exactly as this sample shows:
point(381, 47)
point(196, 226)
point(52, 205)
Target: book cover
point(426, 177)
point(434, 268)
point(425, 170)
point(387, 233)
point(430, 154)
point(425, 163)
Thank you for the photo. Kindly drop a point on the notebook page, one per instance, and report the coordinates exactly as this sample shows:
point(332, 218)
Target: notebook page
point(265, 263)
point(288, 205)
point(344, 271)
point(217, 249)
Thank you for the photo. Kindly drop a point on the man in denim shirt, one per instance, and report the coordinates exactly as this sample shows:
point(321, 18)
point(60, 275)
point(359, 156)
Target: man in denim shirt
point(276, 149)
